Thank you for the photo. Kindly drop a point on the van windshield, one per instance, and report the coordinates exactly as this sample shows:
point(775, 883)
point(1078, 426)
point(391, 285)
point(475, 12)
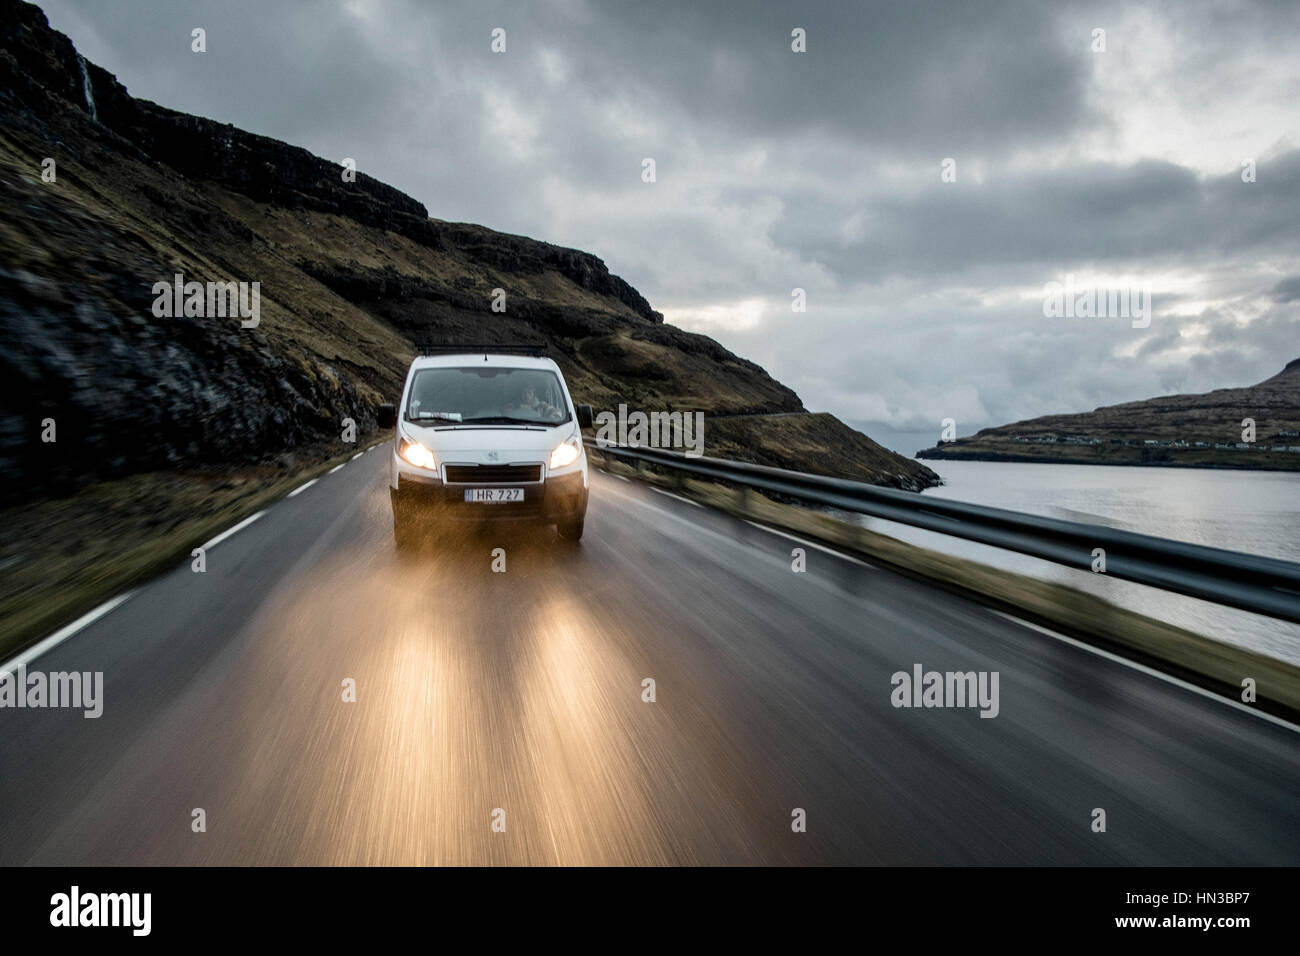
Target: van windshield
point(495, 395)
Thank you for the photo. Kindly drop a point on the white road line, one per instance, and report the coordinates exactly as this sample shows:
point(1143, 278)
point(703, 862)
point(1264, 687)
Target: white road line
point(209, 545)
point(1134, 665)
point(358, 455)
point(812, 544)
point(61, 635)
point(669, 494)
point(879, 611)
point(763, 527)
point(301, 488)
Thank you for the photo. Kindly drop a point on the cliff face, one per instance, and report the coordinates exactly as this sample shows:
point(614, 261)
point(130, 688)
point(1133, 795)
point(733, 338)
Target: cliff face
point(1194, 430)
point(350, 274)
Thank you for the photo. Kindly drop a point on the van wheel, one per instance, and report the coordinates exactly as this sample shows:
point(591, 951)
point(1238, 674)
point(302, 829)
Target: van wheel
point(570, 530)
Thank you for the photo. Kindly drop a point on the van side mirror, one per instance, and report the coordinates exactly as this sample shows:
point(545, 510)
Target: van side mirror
point(584, 416)
point(387, 415)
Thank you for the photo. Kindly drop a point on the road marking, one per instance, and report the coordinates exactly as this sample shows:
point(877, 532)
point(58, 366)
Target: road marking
point(209, 545)
point(812, 544)
point(1151, 671)
point(301, 488)
point(809, 544)
point(880, 611)
point(669, 494)
point(61, 635)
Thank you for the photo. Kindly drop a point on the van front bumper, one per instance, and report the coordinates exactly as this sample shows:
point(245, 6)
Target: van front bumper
point(557, 498)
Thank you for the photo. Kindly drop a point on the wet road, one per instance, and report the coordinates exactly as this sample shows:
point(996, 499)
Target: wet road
point(521, 691)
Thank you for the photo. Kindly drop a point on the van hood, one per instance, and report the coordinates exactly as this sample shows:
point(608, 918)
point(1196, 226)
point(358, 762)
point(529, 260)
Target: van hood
point(510, 444)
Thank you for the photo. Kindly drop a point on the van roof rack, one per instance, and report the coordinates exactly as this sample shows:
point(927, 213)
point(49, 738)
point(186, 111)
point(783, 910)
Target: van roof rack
point(537, 351)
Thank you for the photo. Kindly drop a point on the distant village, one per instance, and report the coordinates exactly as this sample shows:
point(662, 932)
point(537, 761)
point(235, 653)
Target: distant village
point(1158, 443)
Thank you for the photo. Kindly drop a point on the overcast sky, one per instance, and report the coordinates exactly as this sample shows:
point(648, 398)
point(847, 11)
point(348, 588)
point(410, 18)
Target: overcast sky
point(819, 170)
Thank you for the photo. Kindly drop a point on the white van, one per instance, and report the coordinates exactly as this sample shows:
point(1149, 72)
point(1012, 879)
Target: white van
point(486, 434)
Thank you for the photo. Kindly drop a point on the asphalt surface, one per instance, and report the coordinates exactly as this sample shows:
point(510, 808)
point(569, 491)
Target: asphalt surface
point(522, 691)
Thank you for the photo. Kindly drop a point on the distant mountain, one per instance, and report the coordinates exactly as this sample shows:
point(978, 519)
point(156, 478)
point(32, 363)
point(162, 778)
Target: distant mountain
point(1202, 431)
point(351, 275)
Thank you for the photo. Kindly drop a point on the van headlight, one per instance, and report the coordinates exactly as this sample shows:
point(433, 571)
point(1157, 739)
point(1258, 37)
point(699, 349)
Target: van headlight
point(417, 454)
point(567, 453)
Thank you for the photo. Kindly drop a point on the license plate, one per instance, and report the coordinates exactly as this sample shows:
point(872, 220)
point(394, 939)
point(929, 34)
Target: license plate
point(494, 496)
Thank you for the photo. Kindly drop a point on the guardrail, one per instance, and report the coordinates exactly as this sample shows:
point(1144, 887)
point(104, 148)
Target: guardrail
point(1268, 586)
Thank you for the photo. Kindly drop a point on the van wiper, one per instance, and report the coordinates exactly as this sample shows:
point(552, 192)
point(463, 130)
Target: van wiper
point(435, 417)
point(503, 420)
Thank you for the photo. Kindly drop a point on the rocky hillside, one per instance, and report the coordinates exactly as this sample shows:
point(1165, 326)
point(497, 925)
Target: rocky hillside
point(1202, 431)
point(351, 274)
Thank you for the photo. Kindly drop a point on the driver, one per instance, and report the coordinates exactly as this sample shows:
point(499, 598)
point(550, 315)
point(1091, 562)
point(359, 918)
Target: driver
point(529, 402)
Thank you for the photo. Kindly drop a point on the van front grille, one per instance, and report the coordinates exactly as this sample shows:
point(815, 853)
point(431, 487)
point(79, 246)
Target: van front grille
point(493, 474)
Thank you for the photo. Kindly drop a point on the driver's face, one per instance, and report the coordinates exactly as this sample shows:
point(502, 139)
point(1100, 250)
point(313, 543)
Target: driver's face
point(529, 396)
